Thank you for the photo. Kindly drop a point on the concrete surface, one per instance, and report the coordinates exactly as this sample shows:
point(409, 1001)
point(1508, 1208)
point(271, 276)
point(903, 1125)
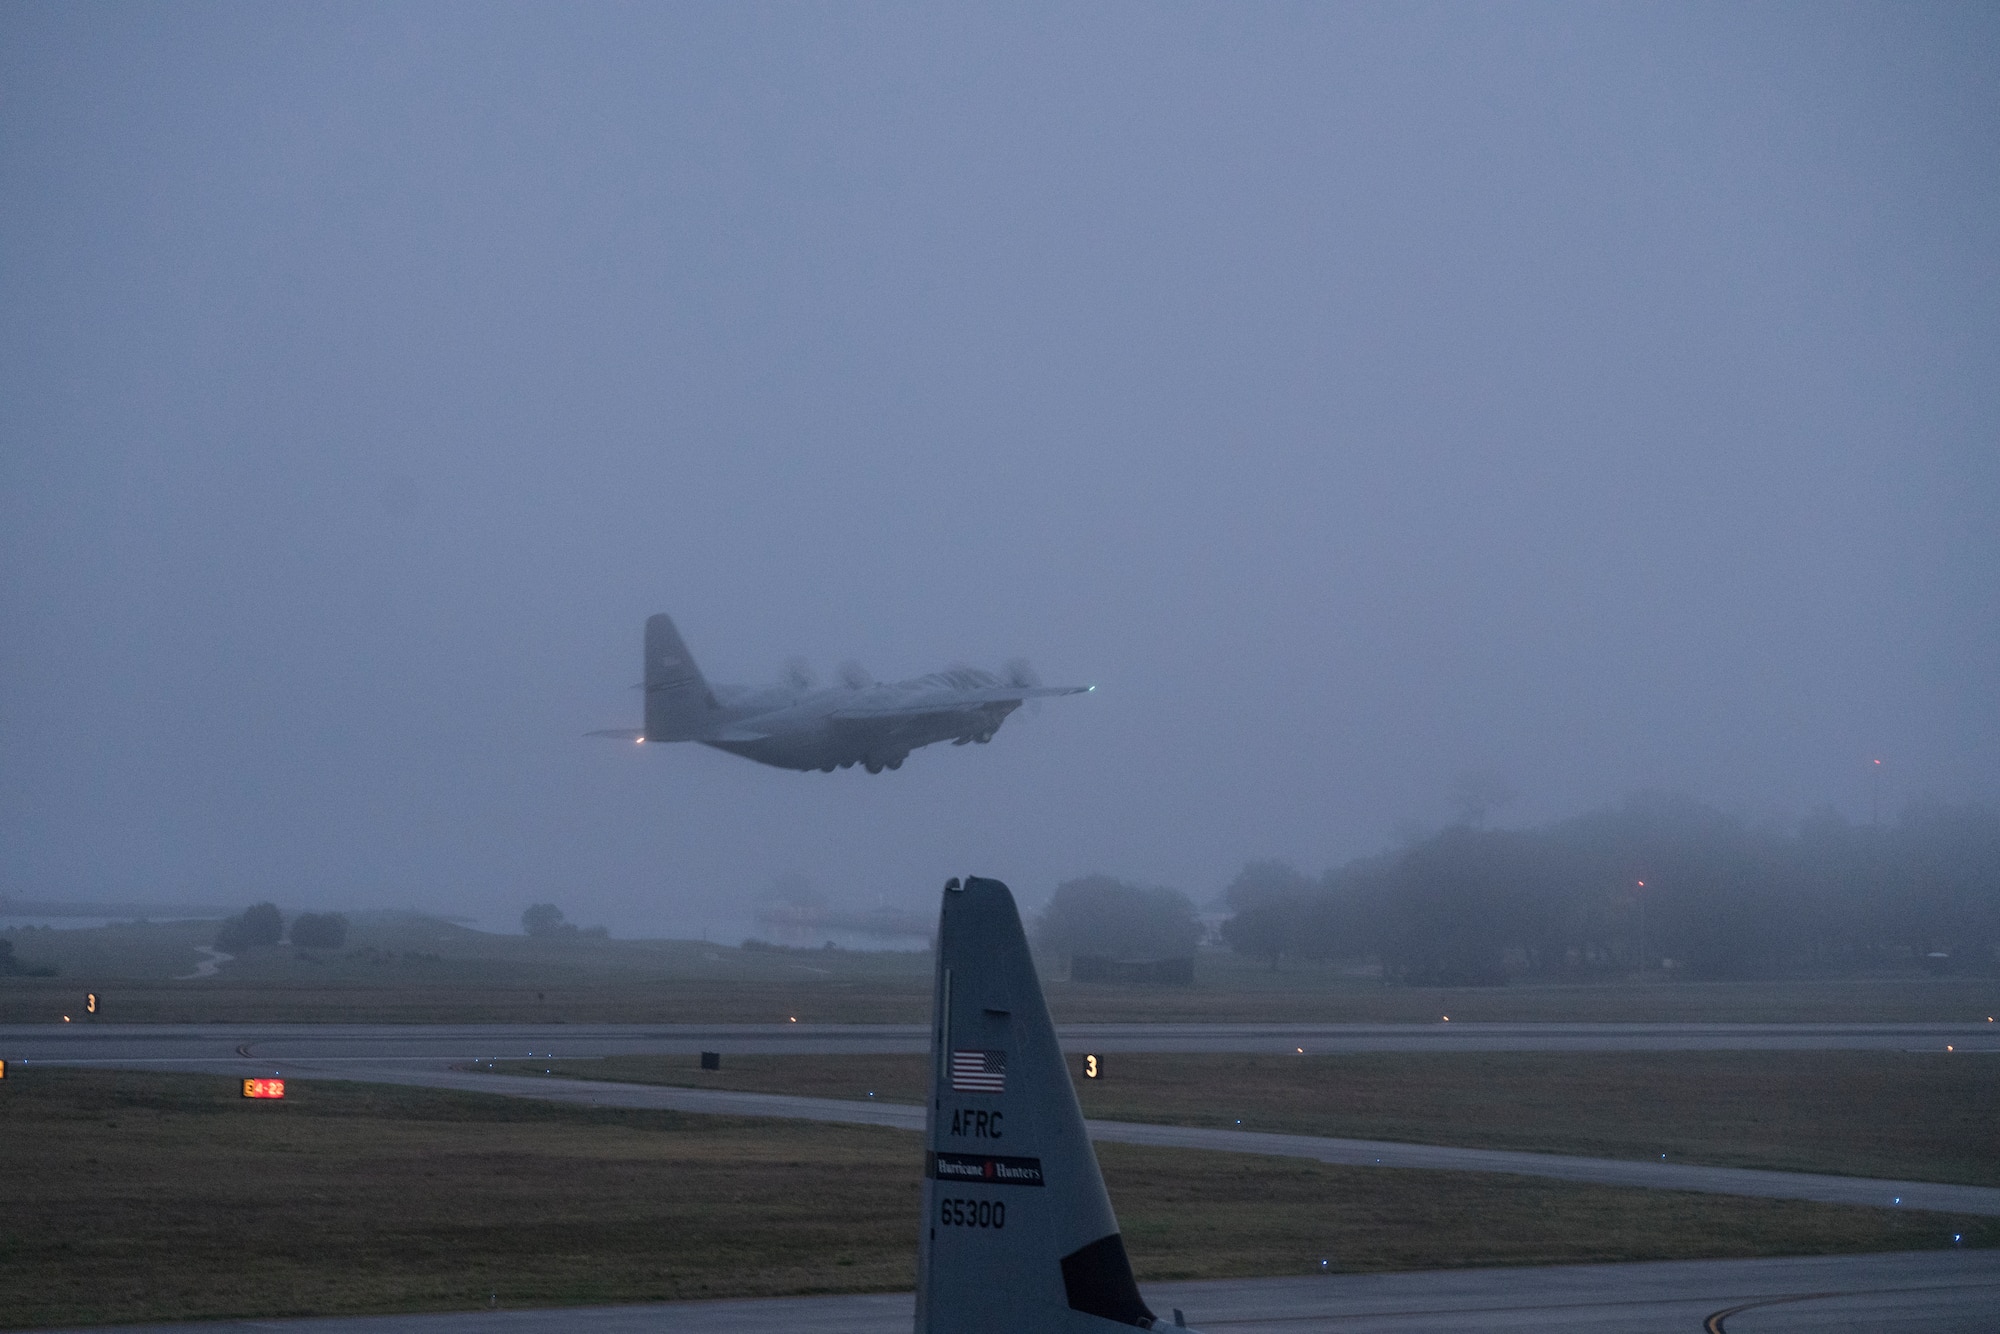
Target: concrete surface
point(168, 1044)
point(1922, 1292)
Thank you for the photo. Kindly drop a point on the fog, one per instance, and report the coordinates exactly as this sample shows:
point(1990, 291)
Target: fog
point(1602, 398)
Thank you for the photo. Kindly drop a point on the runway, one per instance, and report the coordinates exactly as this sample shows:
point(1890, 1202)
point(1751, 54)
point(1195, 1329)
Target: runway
point(1923, 1292)
point(165, 1045)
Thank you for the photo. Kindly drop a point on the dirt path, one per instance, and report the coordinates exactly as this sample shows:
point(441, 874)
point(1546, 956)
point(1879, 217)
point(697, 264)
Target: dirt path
point(206, 968)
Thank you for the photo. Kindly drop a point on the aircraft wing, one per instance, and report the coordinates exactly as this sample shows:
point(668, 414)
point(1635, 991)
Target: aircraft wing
point(1029, 692)
point(958, 700)
point(634, 734)
point(893, 722)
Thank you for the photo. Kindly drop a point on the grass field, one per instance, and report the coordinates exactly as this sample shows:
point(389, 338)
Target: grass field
point(410, 968)
point(401, 967)
point(1925, 1116)
point(144, 1196)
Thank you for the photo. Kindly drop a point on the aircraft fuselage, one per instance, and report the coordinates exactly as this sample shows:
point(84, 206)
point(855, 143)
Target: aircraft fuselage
point(806, 739)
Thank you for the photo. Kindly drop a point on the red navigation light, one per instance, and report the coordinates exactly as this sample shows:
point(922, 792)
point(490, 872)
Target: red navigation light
point(263, 1088)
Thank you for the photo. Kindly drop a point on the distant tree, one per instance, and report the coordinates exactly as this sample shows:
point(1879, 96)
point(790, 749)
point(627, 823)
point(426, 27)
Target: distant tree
point(319, 931)
point(13, 967)
point(1262, 882)
point(1100, 915)
point(259, 924)
point(1266, 931)
point(1267, 897)
point(1478, 794)
point(545, 919)
point(1448, 914)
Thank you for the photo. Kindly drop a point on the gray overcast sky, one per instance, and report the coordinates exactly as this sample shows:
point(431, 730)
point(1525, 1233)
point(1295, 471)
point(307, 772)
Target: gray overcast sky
point(1360, 395)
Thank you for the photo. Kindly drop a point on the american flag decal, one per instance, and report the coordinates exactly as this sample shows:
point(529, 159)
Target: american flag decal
point(979, 1072)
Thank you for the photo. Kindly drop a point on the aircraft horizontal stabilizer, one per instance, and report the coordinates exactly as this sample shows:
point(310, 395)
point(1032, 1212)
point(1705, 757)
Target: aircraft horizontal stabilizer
point(739, 734)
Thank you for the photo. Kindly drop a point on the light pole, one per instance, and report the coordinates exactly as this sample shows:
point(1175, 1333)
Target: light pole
point(1642, 926)
point(1875, 795)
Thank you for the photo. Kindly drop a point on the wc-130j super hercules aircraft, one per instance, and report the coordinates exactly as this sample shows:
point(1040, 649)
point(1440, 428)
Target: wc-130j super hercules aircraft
point(798, 726)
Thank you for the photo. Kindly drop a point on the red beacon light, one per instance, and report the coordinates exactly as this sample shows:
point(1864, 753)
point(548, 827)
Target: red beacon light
point(263, 1088)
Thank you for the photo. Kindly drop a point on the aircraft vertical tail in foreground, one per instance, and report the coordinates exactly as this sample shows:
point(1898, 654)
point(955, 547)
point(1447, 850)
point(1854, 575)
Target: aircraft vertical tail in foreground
point(1018, 1232)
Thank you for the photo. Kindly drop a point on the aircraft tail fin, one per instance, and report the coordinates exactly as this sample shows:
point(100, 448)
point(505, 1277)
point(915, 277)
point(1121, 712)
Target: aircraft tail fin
point(678, 700)
point(1018, 1232)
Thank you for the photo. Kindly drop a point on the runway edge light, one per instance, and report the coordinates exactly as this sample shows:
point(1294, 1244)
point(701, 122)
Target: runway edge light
point(263, 1088)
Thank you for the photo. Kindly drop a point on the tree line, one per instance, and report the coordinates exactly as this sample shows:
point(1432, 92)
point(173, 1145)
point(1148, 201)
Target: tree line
point(1661, 883)
point(263, 924)
point(1100, 915)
